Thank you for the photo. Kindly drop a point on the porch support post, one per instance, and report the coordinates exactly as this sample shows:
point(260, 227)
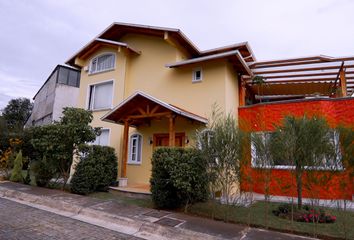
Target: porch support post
point(125, 149)
point(241, 92)
point(172, 132)
point(343, 83)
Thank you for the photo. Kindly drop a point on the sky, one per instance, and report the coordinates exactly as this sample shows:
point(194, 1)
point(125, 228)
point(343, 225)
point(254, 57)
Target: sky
point(36, 35)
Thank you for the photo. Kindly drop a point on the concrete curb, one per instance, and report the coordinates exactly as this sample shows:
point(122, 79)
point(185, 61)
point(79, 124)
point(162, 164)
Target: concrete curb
point(134, 227)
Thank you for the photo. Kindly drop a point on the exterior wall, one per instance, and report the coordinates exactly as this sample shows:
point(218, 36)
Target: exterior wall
point(262, 117)
point(65, 96)
point(231, 91)
point(147, 72)
point(118, 77)
point(43, 103)
point(52, 97)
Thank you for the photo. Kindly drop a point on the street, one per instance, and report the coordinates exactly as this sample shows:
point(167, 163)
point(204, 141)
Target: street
point(21, 222)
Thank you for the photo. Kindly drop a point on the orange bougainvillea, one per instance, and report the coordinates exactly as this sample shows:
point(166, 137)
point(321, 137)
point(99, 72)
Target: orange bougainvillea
point(263, 117)
point(5, 155)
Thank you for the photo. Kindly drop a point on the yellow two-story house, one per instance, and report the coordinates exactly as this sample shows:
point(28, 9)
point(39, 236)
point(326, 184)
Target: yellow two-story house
point(150, 86)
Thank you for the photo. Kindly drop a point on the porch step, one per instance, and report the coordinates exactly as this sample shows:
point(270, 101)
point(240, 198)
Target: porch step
point(136, 192)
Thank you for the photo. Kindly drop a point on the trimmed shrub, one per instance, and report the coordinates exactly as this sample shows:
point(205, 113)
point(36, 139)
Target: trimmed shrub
point(96, 170)
point(16, 174)
point(179, 177)
point(43, 171)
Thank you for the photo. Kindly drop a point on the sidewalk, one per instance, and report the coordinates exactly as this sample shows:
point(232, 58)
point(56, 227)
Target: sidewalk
point(132, 220)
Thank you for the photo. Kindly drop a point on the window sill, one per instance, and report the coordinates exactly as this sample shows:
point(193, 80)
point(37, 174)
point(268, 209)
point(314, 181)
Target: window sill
point(285, 167)
point(197, 81)
point(104, 71)
point(134, 163)
point(100, 109)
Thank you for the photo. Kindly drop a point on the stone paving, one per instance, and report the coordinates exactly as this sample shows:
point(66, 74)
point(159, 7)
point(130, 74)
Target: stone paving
point(19, 222)
point(83, 217)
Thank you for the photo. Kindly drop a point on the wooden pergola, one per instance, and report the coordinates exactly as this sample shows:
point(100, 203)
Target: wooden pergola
point(305, 76)
point(140, 109)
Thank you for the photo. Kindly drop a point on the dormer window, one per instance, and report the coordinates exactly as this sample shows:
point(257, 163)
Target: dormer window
point(197, 75)
point(103, 63)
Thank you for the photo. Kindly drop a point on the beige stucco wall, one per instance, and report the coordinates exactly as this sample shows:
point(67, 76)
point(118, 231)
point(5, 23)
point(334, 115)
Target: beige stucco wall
point(117, 76)
point(231, 91)
point(147, 72)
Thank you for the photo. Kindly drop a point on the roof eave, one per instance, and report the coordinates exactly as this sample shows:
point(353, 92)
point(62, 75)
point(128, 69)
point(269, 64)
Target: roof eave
point(166, 105)
point(213, 57)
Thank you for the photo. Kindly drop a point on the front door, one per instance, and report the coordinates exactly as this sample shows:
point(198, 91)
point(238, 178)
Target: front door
point(162, 140)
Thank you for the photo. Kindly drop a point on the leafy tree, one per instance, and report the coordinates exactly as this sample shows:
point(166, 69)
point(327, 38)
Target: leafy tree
point(262, 158)
point(59, 141)
point(346, 136)
point(305, 143)
point(13, 118)
point(221, 146)
point(16, 174)
point(17, 112)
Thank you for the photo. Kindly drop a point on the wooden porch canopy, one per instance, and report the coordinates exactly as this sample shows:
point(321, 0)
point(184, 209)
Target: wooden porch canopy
point(140, 108)
point(314, 75)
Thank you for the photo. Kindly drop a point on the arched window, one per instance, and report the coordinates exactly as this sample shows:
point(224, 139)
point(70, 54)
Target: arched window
point(135, 149)
point(102, 63)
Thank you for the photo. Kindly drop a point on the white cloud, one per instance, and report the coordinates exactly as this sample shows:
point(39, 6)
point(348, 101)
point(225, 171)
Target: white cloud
point(13, 87)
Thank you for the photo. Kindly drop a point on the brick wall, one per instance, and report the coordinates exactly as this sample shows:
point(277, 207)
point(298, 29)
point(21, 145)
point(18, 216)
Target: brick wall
point(264, 117)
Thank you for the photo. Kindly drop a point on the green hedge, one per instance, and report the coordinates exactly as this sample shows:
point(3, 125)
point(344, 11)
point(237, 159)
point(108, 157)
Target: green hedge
point(96, 170)
point(179, 177)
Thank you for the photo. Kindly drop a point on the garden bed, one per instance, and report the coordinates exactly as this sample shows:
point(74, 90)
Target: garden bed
point(260, 215)
point(306, 214)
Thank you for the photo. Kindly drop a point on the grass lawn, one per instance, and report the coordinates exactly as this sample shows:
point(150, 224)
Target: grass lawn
point(256, 215)
point(122, 198)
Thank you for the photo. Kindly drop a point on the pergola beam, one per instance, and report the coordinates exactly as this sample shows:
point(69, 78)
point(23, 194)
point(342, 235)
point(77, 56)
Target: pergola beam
point(302, 75)
point(298, 80)
point(304, 60)
point(285, 60)
point(343, 82)
point(286, 64)
point(300, 69)
point(338, 75)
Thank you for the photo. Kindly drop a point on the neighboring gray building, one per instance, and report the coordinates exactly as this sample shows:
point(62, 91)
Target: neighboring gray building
point(60, 90)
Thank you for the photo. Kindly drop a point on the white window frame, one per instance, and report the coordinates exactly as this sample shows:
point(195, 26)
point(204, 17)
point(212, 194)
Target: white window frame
point(109, 137)
point(91, 71)
point(208, 133)
point(194, 76)
point(138, 161)
point(88, 107)
point(290, 167)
